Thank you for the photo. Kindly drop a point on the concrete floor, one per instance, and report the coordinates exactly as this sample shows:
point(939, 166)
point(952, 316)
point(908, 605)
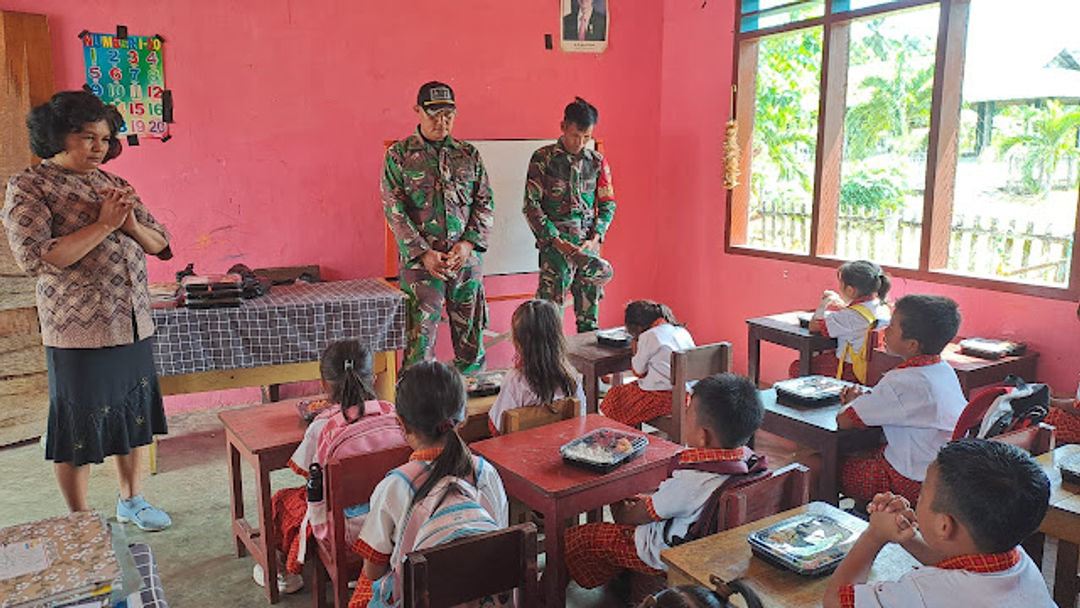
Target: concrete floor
point(196, 560)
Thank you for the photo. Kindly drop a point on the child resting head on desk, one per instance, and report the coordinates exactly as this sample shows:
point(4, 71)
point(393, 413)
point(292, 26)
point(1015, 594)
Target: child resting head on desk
point(723, 415)
point(657, 333)
point(980, 500)
point(849, 316)
point(916, 404)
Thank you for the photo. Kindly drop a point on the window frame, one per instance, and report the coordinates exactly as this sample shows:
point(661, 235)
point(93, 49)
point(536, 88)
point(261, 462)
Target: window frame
point(941, 160)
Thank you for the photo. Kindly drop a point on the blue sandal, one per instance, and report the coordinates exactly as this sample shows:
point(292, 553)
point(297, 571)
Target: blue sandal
point(142, 514)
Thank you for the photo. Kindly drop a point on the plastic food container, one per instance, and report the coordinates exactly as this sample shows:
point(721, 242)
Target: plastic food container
point(604, 449)
point(810, 544)
point(811, 391)
point(615, 338)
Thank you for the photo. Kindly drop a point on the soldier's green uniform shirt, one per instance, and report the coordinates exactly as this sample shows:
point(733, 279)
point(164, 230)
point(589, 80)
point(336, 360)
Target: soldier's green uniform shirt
point(570, 196)
point(434, 195)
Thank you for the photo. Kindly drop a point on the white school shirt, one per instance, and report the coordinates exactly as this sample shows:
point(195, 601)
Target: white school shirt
point(917, 408)
point(391, 499)
point(681, 499)
point(304, 455)
point(849, 327)
point(654, 348)
point(1021, 586)
point(515, 392)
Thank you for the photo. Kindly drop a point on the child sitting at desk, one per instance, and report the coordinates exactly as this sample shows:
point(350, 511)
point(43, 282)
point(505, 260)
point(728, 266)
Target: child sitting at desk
point(724, 413)
point(541, 372)
point(1064, 416)
point(916, 404)
point(980, 500)
point(850, 316)
point(347, 374)
point(656, 335)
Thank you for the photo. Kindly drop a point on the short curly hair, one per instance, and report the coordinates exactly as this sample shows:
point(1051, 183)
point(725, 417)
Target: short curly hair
point(65, 113)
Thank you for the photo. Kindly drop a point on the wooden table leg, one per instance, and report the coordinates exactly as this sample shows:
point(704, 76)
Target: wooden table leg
point(805, 357)
point(753, 356)
point(236, 495)
point(555, 576)
point(266, 532)
point(1066, 584)
point(385, 368)
point(592, 390)
point(830, 472)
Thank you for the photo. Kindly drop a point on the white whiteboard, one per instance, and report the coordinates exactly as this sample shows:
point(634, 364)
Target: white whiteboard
point(511, 245)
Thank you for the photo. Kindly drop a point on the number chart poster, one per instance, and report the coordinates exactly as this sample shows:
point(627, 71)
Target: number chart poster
point(129, 73)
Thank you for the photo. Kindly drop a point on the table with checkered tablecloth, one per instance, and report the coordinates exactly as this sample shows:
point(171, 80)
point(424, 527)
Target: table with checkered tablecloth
point(292, 324)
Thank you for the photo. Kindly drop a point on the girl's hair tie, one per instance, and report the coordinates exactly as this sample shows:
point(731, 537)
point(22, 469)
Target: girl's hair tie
point(445, 426)
point(348, 364)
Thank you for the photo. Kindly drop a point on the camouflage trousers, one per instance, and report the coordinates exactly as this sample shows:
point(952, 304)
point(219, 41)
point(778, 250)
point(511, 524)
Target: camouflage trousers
point(466, 307)
point(585, 274)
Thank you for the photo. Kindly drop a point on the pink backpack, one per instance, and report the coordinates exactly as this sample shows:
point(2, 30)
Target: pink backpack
point(376, 429)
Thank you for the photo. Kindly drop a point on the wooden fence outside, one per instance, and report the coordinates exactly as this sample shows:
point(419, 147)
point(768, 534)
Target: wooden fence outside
point(978, 246)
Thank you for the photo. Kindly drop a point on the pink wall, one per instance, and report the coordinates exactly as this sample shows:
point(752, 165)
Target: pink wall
point(282, 108)
point(715, 292)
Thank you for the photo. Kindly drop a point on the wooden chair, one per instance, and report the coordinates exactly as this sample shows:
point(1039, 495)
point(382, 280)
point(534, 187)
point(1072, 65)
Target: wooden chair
point(688, 365)
point(1035, 440)
point(474, 567)
point(348, 482)
point(783, 489)
point(525, 418)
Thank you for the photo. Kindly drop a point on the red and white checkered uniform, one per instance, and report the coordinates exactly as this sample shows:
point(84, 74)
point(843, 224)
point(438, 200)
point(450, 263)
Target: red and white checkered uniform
point(1066, 426)
point(1007, 579)
point(630, 405)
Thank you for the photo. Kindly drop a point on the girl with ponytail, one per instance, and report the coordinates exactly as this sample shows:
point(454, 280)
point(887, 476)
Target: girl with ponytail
point(850, 315)
point(430, 406)
point(657, 333)
point(351, 421)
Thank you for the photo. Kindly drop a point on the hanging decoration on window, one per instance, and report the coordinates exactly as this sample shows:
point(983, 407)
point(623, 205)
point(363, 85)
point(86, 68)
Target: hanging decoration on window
point(731, 149)
point(129, 72)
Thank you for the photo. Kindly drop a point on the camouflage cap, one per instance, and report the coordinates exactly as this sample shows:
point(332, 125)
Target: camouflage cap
point(435, 95)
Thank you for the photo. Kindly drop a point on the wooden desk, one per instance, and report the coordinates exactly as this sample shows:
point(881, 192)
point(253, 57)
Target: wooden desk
point(1062, 521)
point(783, 329)
point(593, 361)
point(265, 436)
point(533, 472)
point(727, 555)
point(974, 372)
point(816, 428)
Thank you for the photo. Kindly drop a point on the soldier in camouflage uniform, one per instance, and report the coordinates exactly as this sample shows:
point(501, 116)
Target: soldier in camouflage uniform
point(569, 204)
point(438, 203)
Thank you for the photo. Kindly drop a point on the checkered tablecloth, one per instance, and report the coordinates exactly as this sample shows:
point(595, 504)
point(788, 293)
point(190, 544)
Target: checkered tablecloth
point(293, 324)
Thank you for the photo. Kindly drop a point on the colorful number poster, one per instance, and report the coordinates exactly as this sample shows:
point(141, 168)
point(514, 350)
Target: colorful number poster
point(129, 73)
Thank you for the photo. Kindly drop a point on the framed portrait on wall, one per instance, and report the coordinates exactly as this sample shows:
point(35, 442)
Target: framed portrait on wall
point(584, 25)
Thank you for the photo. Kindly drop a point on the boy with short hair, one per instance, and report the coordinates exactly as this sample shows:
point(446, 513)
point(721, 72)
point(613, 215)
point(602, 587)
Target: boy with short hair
point(723, 415)
point(980, 500)
point(916, 404)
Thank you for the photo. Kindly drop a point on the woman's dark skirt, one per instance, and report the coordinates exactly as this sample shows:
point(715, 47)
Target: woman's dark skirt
point(102, 402)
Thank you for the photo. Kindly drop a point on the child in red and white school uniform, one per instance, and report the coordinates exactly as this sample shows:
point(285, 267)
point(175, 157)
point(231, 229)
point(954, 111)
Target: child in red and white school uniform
point(348, 378)
point(980, 500)
point(1064, 416)
point(916, 403)
point(656, 334)
point(849, 316)
point(724, 413)
point(542, 374)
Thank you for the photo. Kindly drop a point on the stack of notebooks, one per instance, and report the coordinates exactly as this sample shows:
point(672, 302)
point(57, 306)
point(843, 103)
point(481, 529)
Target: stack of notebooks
point(212, 290)
point(60, 562)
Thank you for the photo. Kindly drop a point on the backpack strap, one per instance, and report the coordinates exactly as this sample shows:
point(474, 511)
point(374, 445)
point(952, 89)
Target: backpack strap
point(755, 467)
point(859, 359)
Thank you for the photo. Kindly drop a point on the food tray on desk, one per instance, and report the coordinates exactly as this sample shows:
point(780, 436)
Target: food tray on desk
point(811, 391)
point(1070, 469)
point(615, 338)
point(604, 449)
point(484, 383)
point(810, 544)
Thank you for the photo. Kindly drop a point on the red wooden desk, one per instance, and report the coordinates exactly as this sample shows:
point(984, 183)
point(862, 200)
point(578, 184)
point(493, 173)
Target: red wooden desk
point(265, 436)
point(783, 329)
point(816, 428)
point(973, 372)
point(533, 472)
point(593, 361)
point(1062, 521)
